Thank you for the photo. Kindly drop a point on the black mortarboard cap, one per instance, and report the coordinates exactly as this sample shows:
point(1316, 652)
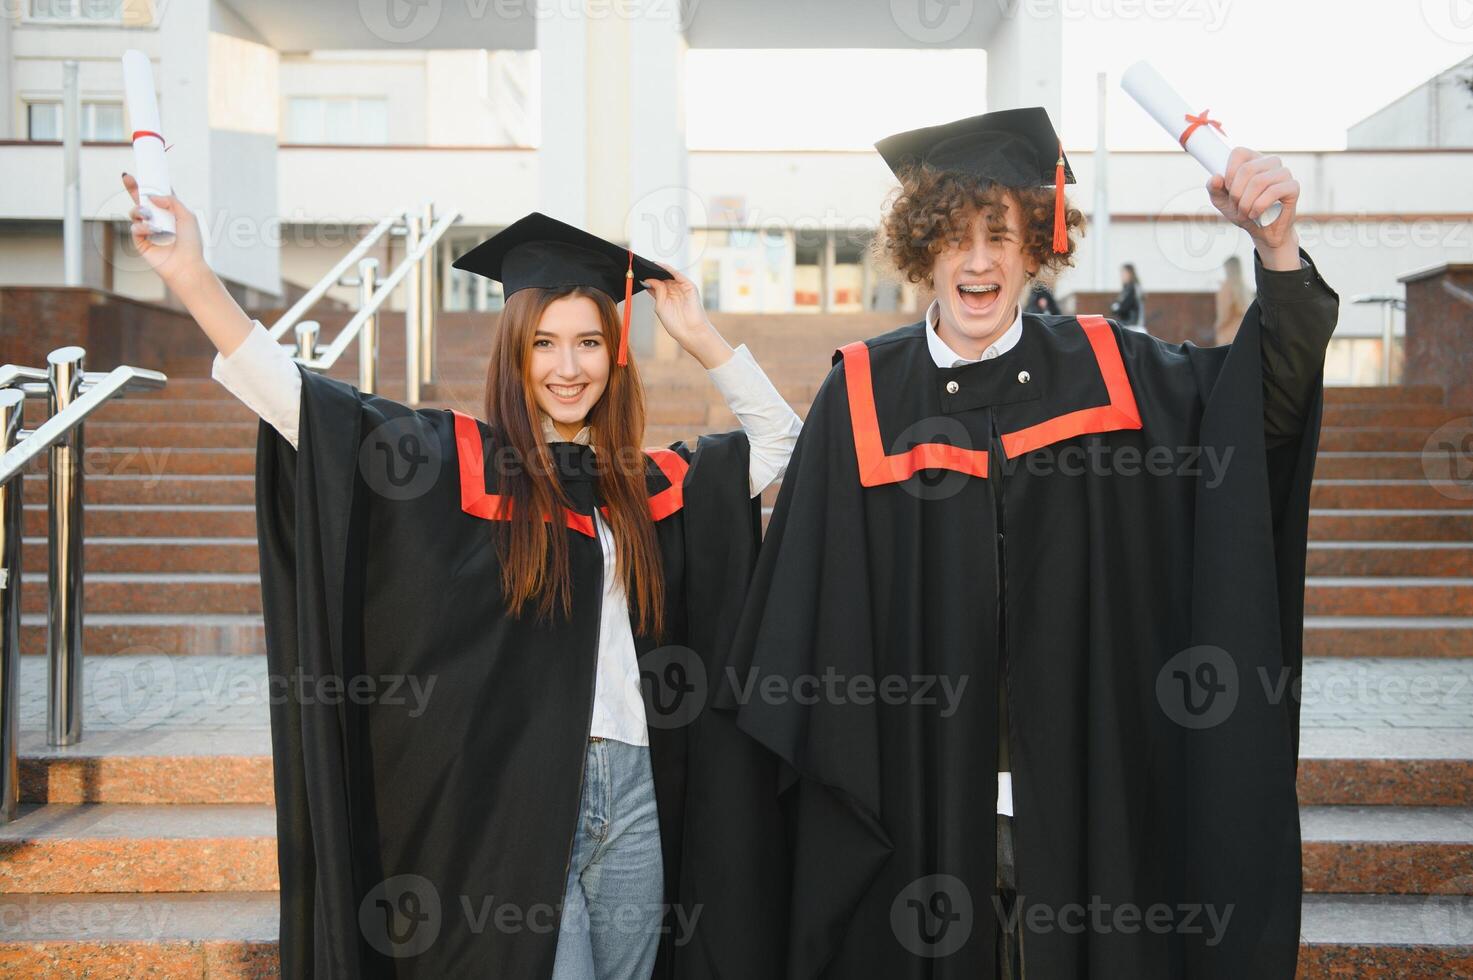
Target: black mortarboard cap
point(541, 251)
point(1011, 147)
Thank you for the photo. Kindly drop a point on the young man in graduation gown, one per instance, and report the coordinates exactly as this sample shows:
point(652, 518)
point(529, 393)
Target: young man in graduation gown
point(1054, 550)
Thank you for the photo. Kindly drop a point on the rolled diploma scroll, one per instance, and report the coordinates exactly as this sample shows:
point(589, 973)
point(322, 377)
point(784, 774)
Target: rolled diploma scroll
point(1206, 145)
point(148, 150)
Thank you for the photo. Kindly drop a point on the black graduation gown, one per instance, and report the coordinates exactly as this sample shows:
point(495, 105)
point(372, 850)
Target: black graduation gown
point(425, 816)
point(936, 523)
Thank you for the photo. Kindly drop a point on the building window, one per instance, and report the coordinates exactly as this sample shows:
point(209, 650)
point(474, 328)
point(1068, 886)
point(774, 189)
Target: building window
point(103, 11)
point(100, 121)
point(315, 119)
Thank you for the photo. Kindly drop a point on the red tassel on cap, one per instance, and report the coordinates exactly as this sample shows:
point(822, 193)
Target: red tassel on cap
point(1061, 233)
point(628, 305)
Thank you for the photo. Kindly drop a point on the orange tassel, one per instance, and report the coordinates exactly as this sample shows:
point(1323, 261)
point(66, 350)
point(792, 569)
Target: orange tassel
point(628, 306)
point(1061, 232)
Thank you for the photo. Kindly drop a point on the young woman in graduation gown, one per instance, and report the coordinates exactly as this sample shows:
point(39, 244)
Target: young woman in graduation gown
point(471, 777)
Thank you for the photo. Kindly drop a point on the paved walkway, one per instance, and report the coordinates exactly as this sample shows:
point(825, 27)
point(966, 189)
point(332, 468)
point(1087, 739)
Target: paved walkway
point(1367, 708)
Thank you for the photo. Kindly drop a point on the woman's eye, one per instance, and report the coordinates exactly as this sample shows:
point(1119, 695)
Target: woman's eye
point(592, 342)
point(541, 343)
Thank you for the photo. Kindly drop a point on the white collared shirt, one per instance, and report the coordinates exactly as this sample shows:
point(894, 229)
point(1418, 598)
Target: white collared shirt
point(262, 375)
point(945, 357)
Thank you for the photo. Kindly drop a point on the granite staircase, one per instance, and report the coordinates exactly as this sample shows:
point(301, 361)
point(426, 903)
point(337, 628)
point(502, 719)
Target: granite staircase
point(149, 849)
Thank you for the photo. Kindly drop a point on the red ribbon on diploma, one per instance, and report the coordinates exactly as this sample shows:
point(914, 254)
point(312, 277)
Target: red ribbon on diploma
point(1197, 122)
point(147, 132)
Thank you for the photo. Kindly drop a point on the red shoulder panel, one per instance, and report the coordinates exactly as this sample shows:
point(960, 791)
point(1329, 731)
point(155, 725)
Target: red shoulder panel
point(474, 499)
point(1120, 413)
point(875, 465)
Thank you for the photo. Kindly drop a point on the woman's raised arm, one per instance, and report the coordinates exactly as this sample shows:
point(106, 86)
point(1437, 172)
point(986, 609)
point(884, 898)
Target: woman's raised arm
point(250, 365)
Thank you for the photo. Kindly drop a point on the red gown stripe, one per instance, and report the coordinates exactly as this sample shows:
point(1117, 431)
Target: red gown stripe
point(875, 465)
point(474, 499)
point(672, 498)
point(1120, 413)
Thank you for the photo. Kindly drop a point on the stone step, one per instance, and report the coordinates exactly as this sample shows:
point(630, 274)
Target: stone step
point(183, 435)
point(1387, 849)
point(1391, 494)
point(1324, 636)
point(1431, 558)
point(206, 593)
point(1405, 596)
point(109, 633)
point(154, 520)
point(137, 409)
point(1389, 524)
point(173, 489)
point(222, 935)
point(1384, 438)
point(1381, 466)
point(1388, 636)
point(1410, 937)
point(107, 847)
point(194, 729)
point(128, 756)
point(234, 766)
point(234, 935)
point(1385, 395)
point(1386, 782)
point(1430, 416)
point(155, 461)
point(160, 554)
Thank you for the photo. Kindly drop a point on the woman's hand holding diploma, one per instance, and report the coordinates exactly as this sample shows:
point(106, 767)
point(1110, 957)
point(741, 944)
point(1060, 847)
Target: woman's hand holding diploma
point(181, 265)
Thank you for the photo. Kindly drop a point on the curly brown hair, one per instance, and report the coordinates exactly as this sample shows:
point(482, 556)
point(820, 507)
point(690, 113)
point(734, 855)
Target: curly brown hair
point(933, 208)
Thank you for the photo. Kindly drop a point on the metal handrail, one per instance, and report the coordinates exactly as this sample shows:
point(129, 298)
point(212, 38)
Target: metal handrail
point(391, 282)
point(416, 272)
point(309, 299)
point(1457, 292)
point(1389, 304)
point(72, 395)
point(36, 441)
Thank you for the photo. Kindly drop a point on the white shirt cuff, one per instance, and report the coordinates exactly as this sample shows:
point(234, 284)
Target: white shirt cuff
point(262, 375)
point(771, 425)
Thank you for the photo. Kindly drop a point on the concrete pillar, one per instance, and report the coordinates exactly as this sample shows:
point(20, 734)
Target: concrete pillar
point(613, 154)
point(8, 127)
point(1025, 60)
point(217, 85)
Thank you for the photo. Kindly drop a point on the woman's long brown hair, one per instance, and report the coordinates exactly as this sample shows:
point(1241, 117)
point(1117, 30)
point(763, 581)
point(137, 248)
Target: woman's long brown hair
point(534, 559)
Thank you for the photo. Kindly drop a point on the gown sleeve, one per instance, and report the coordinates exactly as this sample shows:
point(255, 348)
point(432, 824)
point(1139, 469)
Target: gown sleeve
point(262, 375)
point(771, 425)
point(1298, 312)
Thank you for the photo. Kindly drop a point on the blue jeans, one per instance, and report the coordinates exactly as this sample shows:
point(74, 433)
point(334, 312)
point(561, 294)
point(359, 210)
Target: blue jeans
point(612, 908)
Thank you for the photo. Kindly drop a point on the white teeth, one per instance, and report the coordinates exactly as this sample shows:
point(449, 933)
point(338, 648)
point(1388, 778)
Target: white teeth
point(991, 287)
point(566, 391)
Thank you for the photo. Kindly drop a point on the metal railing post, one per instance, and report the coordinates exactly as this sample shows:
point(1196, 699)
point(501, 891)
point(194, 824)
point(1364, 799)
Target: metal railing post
point(64, 550)
point(307, 338)
point(413, 312)
point(368, 336)
point(12, 408)
point(1388, 330)
point(427, 271)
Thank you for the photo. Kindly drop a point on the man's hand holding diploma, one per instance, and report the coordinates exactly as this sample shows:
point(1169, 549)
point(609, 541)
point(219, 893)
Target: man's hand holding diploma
point(1252, 183)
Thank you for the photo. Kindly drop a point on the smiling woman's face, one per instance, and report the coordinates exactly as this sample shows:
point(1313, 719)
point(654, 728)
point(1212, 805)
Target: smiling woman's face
point(569, 365)
point(979, 280)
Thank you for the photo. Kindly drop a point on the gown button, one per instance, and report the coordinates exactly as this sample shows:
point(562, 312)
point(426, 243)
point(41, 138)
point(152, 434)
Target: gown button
point(952, 387)
point(1024, 377)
